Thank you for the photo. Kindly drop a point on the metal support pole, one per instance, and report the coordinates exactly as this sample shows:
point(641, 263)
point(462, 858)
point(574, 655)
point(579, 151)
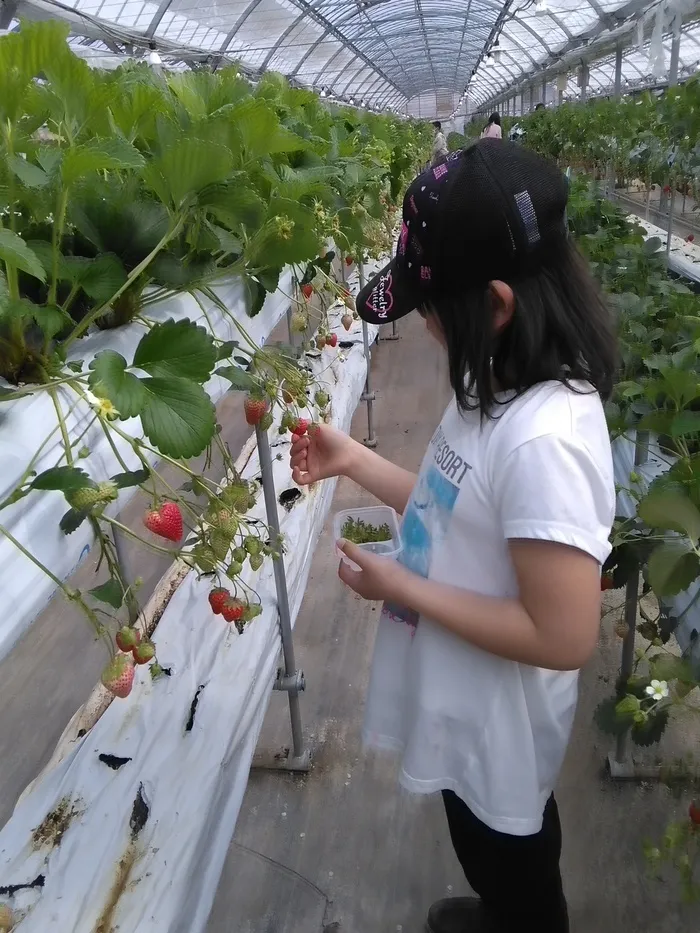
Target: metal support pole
point(620, 763)
point(368, 395)
point(290, 332)
point(394, 335)
point(618, 71)
point(544, 91)
point(290, 679)
point(583, 82)
point(532, 97)
point(672, 80)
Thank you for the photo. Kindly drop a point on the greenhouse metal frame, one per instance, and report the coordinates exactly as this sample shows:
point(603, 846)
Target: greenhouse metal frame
point(414, 57)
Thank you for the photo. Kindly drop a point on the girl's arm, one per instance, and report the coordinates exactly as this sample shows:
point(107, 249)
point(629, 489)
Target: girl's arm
point(553, 624)
point(391, 484)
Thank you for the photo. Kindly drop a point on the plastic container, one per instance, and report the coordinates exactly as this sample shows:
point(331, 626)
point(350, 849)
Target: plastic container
point(373, 515)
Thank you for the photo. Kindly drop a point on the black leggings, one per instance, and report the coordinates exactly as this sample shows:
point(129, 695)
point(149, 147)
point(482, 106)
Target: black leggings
point(516, 877)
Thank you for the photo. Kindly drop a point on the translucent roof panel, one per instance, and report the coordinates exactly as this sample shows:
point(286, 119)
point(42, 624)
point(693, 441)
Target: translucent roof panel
point(535, 33)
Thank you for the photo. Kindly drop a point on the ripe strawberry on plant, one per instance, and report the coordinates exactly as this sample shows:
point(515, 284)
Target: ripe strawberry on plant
point(307, 291)
point(127, 638)
point(690, 238)
point(166, 521)
point(233, 609)
point(349, 260)
point(300, 427)
point(217, 598)
point(694, 813)
point(118, 676)
point(667, 189)
point(332, 340)
point(255, 409)
point(144, 652)
point(607, 582)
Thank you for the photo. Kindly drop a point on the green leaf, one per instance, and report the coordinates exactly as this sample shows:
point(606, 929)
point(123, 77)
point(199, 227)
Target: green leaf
point(668, 667)
point(15, 252)
point(177, 348)
point(186, 167)
point(238, 378)
point(256, 295)
point(651, 730)
point(607, 719)
point(108, 379)
point(132, 478)
point(72, 520)
point(225, 349)
point(685, 422)
point(110, 593)
point(29, 174)
point(671, 511)
point(179, 417)
point(672, 568)
point(99, 155)
point(63, 478)
point(100, 278)
point(269, 279)
point(627, 706)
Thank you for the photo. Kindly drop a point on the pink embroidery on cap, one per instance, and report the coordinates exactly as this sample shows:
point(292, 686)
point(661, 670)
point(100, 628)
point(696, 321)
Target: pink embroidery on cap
point(403, 238)
point(381, 298)
point(425, 273)
point(439, 171)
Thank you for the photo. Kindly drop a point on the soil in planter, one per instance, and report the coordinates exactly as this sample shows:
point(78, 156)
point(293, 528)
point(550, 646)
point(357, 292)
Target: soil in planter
point(54, 825)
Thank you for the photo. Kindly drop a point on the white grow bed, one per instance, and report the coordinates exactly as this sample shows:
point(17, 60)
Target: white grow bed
point(34, 521)
point(154, 867)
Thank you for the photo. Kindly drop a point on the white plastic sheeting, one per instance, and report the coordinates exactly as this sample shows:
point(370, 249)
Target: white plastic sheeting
point(24, 424)
point(144, 844)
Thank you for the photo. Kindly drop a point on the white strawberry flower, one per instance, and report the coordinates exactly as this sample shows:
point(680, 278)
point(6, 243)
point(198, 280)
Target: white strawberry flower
point(657, 689)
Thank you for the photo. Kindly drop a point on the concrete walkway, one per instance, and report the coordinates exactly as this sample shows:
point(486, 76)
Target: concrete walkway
point(343, 849)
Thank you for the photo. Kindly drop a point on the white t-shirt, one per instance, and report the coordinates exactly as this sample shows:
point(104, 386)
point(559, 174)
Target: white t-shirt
point(491, 730)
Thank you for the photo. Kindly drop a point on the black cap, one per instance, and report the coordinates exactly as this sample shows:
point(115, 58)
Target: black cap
point(488, 212)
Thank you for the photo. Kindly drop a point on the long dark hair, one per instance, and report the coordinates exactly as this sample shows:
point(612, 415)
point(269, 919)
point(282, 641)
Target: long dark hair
point(561, 329)
point(495, 118)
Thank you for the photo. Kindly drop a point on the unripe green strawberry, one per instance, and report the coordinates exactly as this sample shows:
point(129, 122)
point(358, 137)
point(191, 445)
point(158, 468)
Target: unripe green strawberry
point(252, 544)
point(288, 420)
point(236, 495)
point(299, 322)
point(239, 555)
point(220, 543)
point(144, 652)
point(252, 611)
point(235, 568)
point(256, 561)
point(266, 422)
point(321, 398)
point(90, 496)
point(204, 558)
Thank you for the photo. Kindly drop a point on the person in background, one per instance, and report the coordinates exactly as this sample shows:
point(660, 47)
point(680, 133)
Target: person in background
point(493, 130)
point(539, 106)
point(440, 150)
point(494, 603)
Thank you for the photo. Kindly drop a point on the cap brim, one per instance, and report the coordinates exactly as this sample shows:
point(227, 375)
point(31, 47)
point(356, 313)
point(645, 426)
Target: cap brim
point(387, 296)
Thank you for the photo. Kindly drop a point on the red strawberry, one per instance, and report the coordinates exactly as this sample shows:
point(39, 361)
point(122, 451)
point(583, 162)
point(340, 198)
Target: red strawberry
point(127, 638)
point(694, 813)
point(300, 427)
point(255, 409)
point(217, 598)
point(606, 582)
point(307, 291)
point(667, 189)
point(346, 321)
point(118, 676)
point(332, 340)
point(144, 652)
point(232, 610)
point(690, 238)
point(166, 522)
point(349, 260)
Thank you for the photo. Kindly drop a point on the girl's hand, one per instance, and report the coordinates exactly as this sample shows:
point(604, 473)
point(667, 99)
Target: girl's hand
point(321, 454)
point(379, 578)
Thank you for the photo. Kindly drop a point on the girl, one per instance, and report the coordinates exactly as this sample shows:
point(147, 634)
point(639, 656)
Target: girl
point(493, 130)
point(494, 604)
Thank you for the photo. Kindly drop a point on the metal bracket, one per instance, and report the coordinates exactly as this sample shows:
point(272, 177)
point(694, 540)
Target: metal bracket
point(628, 770)
point(282, 760)
point(293, 682)
point(368, 397)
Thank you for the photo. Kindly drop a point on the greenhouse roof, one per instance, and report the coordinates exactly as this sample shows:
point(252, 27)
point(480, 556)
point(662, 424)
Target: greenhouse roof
point(420, 57)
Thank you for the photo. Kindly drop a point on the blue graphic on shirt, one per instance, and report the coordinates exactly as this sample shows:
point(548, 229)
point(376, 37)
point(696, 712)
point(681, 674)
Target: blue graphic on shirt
point(425, 524)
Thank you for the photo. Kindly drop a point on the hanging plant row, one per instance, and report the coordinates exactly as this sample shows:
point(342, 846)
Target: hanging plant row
point(120, 192)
